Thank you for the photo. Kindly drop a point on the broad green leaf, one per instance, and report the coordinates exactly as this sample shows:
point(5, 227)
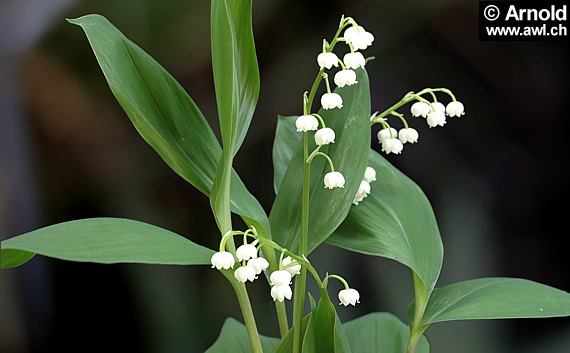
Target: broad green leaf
point(380, 333)
point(495, 298)
point(287, 141)
point(107, 241)
point(163, 114)
point(350, 156)
point(234, 339)
point(324, 331)
point(395, 221)
point(286, 344)
point(236, 73)
point(236, 79)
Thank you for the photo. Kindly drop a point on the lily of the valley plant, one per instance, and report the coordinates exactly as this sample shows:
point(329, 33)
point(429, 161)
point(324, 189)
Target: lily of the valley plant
point(330, 187)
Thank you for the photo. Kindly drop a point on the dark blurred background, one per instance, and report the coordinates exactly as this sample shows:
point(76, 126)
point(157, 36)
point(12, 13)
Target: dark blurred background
point(496, 177)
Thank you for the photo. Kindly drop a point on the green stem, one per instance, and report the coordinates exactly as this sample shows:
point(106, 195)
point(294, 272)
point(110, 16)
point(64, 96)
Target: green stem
point(421, 300)
point(269, 254)
point(300, 282)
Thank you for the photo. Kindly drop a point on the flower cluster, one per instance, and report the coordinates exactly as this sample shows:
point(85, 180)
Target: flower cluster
point(392, 141)
point(364, 187)
point(252, 265)
point(357, 38)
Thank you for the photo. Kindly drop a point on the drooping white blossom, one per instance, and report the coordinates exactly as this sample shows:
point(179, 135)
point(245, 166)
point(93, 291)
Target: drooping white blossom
point(420, 109)
point(245, 273)
point(324, 136)
point(222, 259)
point(246, 252)
point(354, 60)
point(280, 278)
point(349, 296)
point(345, 77)
point(370, 174)
point(259, 264)
point(331, 101)
point(292, 269)
point(334, 180)
point(387, 133)
point(436, 118)
point(392, 145)
point(306, 123)
point(363, 191)
point(408, 135)
point(438, 107)
point(455, 109)
point(280, 293)
point(327, 60)
point(358, 37)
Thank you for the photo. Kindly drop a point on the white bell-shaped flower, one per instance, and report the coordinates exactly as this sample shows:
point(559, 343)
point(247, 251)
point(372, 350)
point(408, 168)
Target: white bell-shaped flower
point(349, 296)
point(438, 107)
point(345, 77)
point(409, 135)
point(281, 293)
point(354, 60)
point(246, 252)
point(436, 119)
point(327, 60)
point(324, 136)
point(306, 123)
point(387, 133)
point(331, 101)
point(245, 273)
point(358, 37)
point(334, 180)
point(259, 264)
point(370, 174)
point(363, 191)
point(420, 109)
point(392, 145)
point(294, 268)
point(222, 259)
point(455, 109)
point(280, 278)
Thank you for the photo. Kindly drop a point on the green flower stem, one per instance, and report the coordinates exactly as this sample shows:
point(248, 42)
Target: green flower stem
point(322, 121)
point(421, 300)
point(301, 281)
point(401, 116)
point(269, 253)
point(342, 280)
point(317, 153)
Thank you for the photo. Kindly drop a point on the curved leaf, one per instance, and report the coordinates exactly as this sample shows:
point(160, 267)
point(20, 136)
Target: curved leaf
point(380, 333)
point(234, 339)
point(106, 241)
point(395, 221)
point(286, 143)
point(163, 113)
point(324, 331)
point(495, 298)
point(349, 154)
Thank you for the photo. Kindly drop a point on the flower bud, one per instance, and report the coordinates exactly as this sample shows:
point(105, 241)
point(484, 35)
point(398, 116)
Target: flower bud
point(334, 180)
point(436, 119)
point(345, 77)
point(363, 191)
point(306, 123)
point(349, 296)
point(438, 107)
point(280, 278)
point(259, 264)
point(222, 259)
point(358, 37)
point(387, 133)
point(455, 109)
point(370, 174)
point(331, 101)
point(420, 109)
point(327, 60)
point(281, 293)
point(245, 273)
point(409, 135)
point(293, 269)
point(246, 252)
point(354, 60)
point(324, 136)
point(392, 145)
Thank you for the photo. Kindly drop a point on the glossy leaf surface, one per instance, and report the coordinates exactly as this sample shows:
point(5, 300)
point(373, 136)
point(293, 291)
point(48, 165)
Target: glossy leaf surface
point(234, 339)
